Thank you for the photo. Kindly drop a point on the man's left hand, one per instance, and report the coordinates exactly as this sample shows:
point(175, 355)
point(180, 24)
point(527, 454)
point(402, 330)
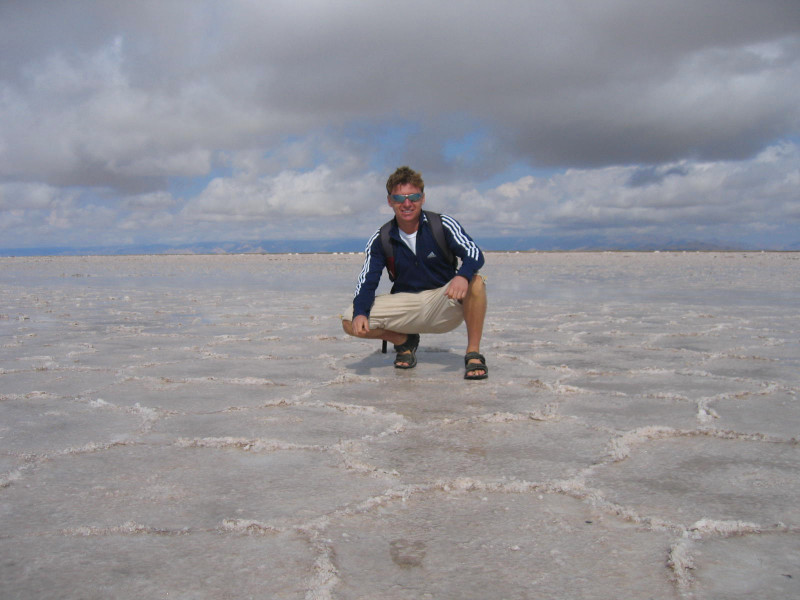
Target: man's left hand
point(457, 290)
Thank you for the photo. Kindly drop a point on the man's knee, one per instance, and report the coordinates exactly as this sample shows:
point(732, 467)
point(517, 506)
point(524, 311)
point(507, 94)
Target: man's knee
point(348, 328)
point(477, 287)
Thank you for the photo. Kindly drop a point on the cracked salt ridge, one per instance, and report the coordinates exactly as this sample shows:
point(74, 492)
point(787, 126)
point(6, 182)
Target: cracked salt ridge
point(200, 426)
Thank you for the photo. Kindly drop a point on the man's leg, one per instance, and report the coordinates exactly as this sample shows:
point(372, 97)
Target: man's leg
point(395, 315)
point(380, 334)
point(376, 334)
point(474, 316)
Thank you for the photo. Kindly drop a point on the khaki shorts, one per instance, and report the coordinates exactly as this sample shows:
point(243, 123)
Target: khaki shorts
point(423, 312)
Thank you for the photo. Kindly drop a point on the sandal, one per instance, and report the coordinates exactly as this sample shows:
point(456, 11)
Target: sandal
point(407, 352)
point(471, 368)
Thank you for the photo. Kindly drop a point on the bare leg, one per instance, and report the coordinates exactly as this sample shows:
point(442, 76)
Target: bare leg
point(377, 334)
point(474, 315)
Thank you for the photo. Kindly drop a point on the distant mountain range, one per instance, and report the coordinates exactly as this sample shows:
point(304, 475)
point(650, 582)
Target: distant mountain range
point(499, 244)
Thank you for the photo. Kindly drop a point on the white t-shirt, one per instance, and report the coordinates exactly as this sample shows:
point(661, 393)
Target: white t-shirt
point(410, 239)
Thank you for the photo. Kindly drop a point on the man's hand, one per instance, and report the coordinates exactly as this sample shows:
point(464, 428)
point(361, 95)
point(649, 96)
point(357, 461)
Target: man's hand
point(457, 290)
point(360, 325)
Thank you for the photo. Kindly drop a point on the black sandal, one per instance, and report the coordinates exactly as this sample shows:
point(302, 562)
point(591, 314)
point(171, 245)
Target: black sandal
point(471, 368)
point(407, 352)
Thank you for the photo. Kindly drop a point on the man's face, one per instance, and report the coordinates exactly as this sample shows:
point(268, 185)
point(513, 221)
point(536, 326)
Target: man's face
point(407, 212)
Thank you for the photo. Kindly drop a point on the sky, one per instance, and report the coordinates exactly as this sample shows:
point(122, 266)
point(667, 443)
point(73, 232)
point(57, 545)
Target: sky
point(574, 123)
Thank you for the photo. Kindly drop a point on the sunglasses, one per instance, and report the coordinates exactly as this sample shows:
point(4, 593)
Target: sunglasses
point(400, 198)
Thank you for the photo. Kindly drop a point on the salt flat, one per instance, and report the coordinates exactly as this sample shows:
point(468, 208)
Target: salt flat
point(200, 427)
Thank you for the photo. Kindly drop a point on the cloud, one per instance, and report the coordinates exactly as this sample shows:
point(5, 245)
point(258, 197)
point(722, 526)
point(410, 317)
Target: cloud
point(754, 199)
point(682, 197)
point(316, 193)
point(261, 118)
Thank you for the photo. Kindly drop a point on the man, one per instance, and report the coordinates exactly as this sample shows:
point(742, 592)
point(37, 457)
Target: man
point(429, 294)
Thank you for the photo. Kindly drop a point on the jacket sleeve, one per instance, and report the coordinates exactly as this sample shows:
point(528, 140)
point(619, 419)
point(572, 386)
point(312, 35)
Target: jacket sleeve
point(463, 247)
point(370, 277)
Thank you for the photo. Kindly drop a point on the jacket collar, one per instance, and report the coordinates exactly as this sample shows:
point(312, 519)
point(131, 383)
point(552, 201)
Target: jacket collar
point(395, 230)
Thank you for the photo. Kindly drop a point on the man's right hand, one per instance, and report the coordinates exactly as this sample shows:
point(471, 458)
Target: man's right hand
point(361, 325)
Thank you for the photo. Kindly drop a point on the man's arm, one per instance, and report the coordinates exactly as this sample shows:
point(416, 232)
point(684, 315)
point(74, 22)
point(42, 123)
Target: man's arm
point(465, 248)
point(368, 279)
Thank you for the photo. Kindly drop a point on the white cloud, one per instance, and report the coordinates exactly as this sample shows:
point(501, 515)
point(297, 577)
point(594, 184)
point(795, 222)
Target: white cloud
point(281, 118)
point(316, 193)
point(684, 198)
point(740, 193)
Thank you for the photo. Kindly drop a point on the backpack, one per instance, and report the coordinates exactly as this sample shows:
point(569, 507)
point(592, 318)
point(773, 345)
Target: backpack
point(435, 220)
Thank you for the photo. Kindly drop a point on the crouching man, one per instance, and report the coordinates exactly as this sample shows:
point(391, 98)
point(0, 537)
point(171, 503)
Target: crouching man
point(431, 292)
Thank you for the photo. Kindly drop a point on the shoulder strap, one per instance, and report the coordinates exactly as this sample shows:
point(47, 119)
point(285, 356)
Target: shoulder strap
point(435, 220)
point(388, 249)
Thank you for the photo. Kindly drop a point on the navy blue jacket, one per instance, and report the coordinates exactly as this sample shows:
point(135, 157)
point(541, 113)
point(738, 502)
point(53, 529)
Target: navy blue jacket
point(425, 271)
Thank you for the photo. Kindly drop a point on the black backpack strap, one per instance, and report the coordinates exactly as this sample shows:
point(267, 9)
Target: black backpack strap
point(435, 221)
point(388, 249)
